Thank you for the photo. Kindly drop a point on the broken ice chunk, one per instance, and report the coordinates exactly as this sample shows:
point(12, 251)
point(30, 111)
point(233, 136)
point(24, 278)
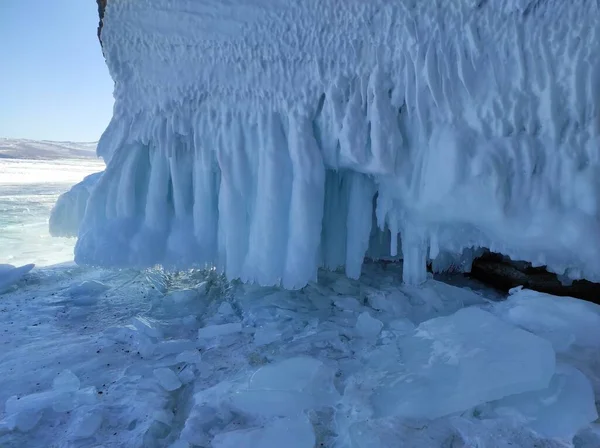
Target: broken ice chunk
point(297, 373)
point(201, 420)
point(296, 432)
point(560, 411)
point(187, 375)
point(28, 420)
point(454, 363)
point(164, 416)
point(157, 280)
point(287, 388)
point(66, 381)
point(179, 444)
point(273, 403)
point(267, 333)
point(87, 293)
point(59, 400)
point(343, 285)
point(10, 275)
point(402, 326)
point(213, 331)
point(564, 321)
point(85, 423)
point(347, 303)
point(182, 296)
point(32, 402)
point(7, 425)
point(190, 357)
point(167, 379)
point(393, 303)
point(225, 309)
point(68, 401)
point(368, 327)
point(173, 346)
point(147, 327)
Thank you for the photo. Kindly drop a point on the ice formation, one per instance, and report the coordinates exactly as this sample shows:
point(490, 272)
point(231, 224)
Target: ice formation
point(9, 275)
point(69, 209)
point(270, 138)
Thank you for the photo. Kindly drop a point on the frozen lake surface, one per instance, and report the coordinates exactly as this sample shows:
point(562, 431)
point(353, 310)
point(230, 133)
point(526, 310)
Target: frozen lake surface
point(28, 190)
point(125, 358)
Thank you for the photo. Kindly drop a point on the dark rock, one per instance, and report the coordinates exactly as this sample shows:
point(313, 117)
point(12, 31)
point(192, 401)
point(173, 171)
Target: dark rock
point(503, 273)
point(101, 8)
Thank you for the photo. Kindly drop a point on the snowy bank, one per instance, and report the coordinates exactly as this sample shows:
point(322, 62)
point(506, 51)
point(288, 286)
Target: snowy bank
point(271, 138)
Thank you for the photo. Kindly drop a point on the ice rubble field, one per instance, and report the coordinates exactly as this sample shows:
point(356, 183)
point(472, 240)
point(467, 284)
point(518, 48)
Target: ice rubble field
point(101, 358)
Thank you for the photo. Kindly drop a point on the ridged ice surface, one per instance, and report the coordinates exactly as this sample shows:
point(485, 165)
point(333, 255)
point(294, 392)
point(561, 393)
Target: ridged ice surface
point(271, 137)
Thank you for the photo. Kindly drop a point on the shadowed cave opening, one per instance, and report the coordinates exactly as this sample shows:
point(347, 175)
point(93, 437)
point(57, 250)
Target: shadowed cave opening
point(489, 268)
point(502, 273)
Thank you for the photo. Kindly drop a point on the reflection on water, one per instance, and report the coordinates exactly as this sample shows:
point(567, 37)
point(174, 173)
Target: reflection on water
point(28, 191)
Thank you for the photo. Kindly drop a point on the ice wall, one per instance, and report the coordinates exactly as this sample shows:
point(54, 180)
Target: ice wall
point(271, 137)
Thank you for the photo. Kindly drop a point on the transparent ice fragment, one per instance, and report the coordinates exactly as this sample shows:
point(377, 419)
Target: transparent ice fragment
point(295, 432)
point(167, 379)
point(456, 362)
point(213, 331)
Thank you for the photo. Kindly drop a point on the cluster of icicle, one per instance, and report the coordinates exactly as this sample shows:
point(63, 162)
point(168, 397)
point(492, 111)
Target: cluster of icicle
point(455, 144)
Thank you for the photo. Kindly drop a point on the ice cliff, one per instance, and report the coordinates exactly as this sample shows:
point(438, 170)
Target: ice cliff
point(274, 137)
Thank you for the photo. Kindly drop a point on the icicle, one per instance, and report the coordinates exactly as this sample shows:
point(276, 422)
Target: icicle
point(269, 231)
point(393, 238)
point(360, 200)
point(385, 136)
point(147, 246)
point(181, 249)
point(334, 231)
point(206, 200)
point(306, 207)
point(414, 250)
point(158, 207)
point(133, 183)
point(354, 133)
point(233, 219)
point(180, 166)
point(434, 248)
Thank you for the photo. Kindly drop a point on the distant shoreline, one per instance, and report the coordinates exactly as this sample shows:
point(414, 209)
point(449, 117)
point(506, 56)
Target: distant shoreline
point(22, 149)
point(8, 156)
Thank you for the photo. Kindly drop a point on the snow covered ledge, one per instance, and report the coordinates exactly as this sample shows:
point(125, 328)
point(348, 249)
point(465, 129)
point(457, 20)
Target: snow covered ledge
point(273, 137)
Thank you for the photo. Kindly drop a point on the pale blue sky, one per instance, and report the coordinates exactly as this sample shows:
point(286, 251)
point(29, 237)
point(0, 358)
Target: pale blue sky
point(54, 84)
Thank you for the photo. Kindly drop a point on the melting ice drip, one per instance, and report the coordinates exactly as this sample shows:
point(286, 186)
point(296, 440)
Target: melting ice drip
point(270, 138)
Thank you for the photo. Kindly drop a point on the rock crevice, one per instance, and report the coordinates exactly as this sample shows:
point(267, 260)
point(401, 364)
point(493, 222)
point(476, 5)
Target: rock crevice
point(101, 8)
